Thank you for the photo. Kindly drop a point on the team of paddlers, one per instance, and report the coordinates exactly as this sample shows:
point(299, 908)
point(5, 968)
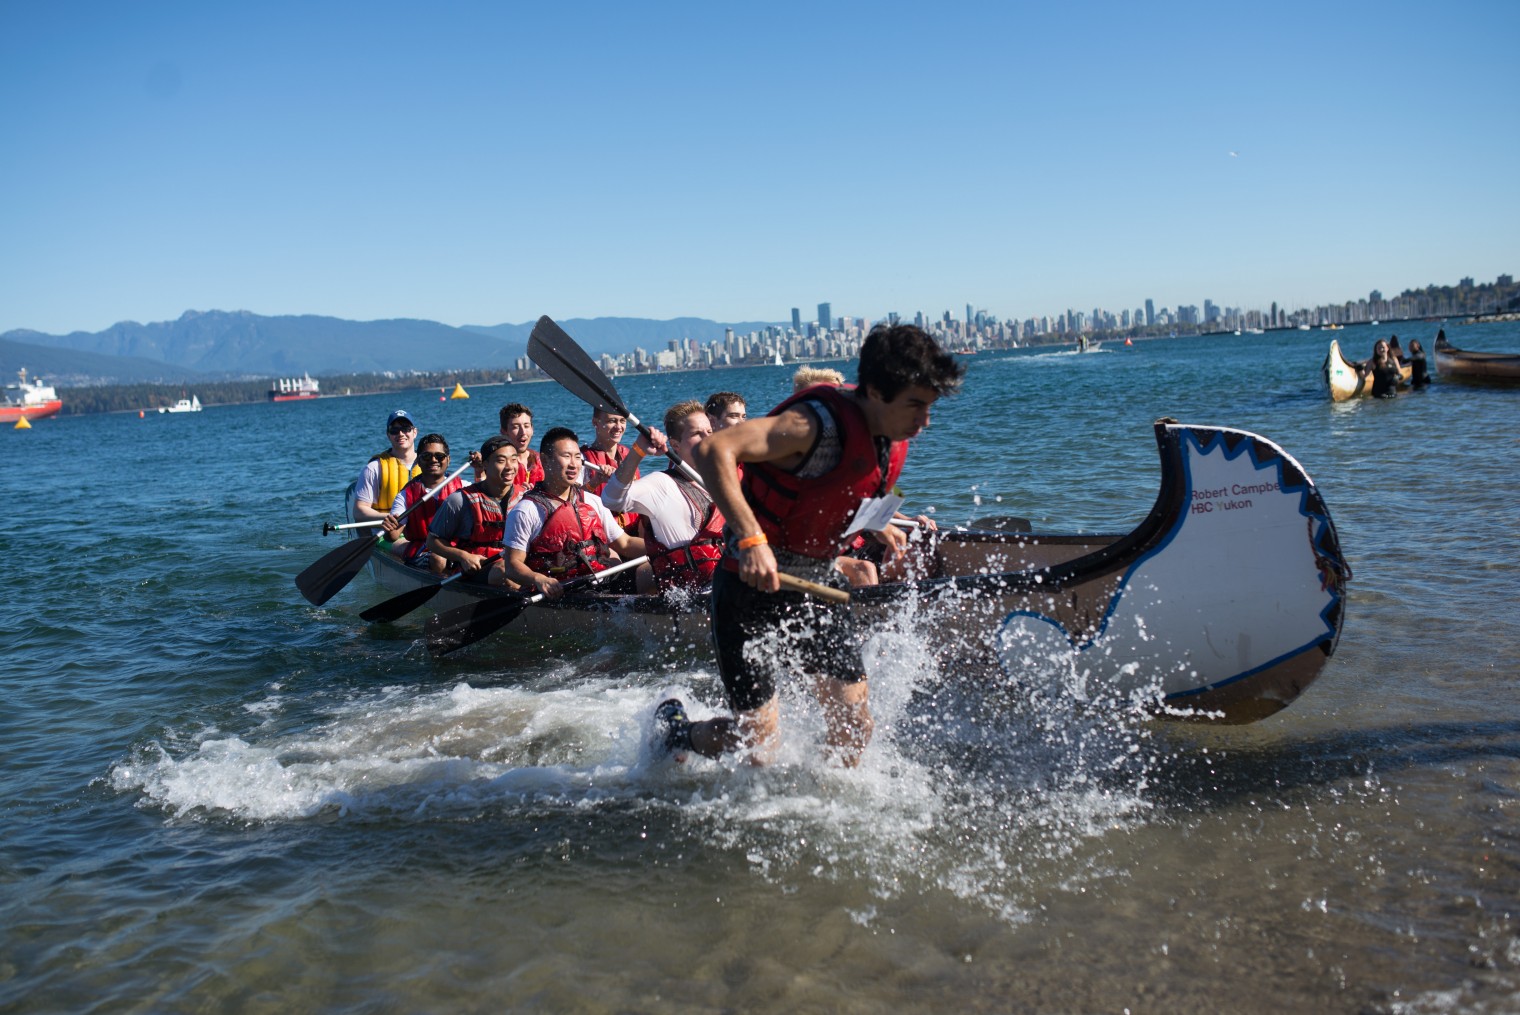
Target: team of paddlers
point(742, 501)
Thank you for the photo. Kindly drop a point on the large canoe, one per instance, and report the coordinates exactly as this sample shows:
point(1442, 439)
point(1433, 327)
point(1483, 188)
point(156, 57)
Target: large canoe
point(1482, 367)
point(1346, 382)
point(1223, 603)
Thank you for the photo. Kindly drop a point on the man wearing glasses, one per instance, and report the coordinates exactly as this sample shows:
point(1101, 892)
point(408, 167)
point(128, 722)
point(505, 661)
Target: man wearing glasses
point(409, 538)
point(385, 474)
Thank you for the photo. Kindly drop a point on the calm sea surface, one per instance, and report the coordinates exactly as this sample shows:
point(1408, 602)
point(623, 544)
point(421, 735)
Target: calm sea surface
point(214, 796)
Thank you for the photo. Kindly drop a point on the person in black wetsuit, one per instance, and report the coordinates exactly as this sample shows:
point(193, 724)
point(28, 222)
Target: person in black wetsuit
point(1419, 370)
point(1384, 370)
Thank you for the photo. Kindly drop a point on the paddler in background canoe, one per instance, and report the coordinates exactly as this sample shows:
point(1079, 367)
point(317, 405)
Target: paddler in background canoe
point(467, 530)
point(517, 424)
point(809, 465)
point(558, 531)
point(603, 456)
point(1384, 370)
point(724, 409)
point(408, 535)
point(385, 474)
point(681, 527)
point(1419, 368)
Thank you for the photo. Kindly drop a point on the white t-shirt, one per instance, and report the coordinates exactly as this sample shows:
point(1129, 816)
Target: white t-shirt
point(526, 521)
point(367, 487)
point(658, 498)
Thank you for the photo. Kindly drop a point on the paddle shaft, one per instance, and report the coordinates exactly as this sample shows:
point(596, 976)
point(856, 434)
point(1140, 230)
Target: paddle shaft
point(327, 577)
point(593, 579)
point(465, 625)
point(377, 522)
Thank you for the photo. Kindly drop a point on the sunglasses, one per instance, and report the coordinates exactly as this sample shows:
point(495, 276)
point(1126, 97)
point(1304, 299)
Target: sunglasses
point(433, 456)
point(399, 428)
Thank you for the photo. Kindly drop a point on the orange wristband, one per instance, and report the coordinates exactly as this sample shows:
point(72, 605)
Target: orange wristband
point(634, 450)
point(748, 542)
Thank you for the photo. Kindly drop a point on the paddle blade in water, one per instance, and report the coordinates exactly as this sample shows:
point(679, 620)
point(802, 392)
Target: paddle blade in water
point(399, 606)
point(465, 625)
point(326, 578)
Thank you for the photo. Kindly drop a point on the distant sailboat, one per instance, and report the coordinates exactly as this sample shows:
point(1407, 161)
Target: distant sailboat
point(778, 362)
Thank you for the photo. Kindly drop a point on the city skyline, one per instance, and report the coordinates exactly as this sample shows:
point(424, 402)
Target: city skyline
point(462, 164)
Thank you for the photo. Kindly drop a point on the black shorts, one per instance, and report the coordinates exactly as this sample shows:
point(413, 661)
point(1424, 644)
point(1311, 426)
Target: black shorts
point(761, 637)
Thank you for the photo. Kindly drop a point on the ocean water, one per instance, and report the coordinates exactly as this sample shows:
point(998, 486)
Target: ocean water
point(214, 796)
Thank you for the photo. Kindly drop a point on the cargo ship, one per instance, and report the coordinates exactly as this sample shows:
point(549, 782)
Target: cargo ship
point(33, 401)
point(294, 389)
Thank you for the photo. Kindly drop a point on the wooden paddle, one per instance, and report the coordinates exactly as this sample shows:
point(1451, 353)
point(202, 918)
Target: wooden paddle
point(453, 629)
point(562, 358)
point(327, 577)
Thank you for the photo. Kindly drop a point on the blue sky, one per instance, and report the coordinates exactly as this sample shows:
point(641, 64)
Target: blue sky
point(488, 163)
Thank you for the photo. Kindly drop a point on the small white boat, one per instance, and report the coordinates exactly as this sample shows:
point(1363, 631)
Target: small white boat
point(191, 404)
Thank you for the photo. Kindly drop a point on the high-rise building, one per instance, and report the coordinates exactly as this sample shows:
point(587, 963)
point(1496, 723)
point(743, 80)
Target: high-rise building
point(796, 320)
point(1150, 313)
point(825, 317)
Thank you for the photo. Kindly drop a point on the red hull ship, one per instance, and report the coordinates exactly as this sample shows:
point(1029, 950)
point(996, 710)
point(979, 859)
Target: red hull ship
point(33, 401)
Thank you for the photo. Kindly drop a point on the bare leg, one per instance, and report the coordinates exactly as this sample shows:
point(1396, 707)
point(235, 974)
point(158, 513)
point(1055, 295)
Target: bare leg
point(847, 714)
point(756, 730)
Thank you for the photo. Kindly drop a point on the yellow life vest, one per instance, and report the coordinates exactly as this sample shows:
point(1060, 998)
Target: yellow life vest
point(393, 476)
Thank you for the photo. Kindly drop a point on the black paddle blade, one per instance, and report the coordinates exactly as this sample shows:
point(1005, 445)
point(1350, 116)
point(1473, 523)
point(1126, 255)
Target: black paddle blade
point(559, 356)
point(465, 625)
point(1002, 523)
point(399, 606)
point(337, 568)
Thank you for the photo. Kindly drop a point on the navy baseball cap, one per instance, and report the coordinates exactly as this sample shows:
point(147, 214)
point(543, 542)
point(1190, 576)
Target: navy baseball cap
point(399, 414)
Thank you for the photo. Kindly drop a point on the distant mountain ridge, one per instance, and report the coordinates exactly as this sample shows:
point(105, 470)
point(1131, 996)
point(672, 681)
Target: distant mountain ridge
point(229, 344)
point(68, 367)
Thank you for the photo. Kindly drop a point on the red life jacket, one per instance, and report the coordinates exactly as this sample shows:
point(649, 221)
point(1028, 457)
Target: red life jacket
point(490, 523)
point(694, 563)
point(572, 542)
point(530, 472)
point(809, 516)
point(627, 519)
point(420, 520)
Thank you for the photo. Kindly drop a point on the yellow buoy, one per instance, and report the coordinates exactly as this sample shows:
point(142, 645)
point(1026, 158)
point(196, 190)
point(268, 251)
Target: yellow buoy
point(459, 391)
point(23, 424)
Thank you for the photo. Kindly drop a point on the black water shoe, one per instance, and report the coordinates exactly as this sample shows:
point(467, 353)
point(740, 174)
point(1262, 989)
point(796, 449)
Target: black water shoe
point(670, 715)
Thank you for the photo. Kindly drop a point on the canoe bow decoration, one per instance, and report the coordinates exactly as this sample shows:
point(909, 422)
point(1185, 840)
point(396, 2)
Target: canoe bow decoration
point(1224, 604)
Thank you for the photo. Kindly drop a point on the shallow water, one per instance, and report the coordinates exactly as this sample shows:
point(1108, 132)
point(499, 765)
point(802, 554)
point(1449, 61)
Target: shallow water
point(216, 795)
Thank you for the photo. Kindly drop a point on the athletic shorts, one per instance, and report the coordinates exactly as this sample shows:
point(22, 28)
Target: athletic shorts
point(762, 637)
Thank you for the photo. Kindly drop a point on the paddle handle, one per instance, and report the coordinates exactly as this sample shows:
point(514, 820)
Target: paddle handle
point(827, 593)
point(593, 579)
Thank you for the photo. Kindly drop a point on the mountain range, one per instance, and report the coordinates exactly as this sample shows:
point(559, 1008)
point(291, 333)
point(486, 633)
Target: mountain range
point(218, 344)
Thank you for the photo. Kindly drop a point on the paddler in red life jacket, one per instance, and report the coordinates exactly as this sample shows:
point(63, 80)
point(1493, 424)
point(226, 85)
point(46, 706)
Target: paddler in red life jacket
point(517, 423)
point(409, 536)
point(681, 527)
point(558, 531)
point(466, 532)
point(385, 474)
point(603, 456)
point(809, 465)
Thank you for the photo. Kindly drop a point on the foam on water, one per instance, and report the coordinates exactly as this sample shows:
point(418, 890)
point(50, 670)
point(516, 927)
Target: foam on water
point(976, 795)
